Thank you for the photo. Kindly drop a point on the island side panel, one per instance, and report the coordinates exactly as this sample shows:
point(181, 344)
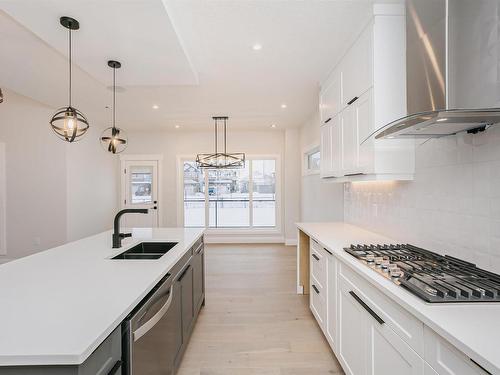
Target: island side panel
point(303, 263)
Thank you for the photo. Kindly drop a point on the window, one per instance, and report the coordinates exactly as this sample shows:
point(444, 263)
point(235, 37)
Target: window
point(234, 198)
point(312, 161)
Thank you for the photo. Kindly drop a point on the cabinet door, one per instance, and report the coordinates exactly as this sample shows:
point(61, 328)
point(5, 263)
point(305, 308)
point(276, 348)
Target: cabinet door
point(349, 141)
point(186, 286)
point(198, 276)
point(357, 67)
point(326, 151)
point(330, 97)
point(336, 137)
point(390, 354)
point(352, 345)
point(331, 298)
point(428, 370)
point(363, 108)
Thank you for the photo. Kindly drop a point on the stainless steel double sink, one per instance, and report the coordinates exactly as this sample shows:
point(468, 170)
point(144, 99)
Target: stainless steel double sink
point(146, 250)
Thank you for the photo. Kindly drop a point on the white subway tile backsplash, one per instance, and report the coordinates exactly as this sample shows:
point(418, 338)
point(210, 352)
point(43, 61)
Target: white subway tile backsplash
point(452, 206)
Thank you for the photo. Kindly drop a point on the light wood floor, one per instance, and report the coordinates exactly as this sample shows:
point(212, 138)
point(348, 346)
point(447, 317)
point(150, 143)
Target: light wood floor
point(253, 323)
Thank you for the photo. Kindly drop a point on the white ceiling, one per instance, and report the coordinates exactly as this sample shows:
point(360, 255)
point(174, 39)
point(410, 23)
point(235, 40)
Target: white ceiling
point(192, 58)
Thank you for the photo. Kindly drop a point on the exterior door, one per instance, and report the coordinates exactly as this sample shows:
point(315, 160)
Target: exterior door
point(140, 190)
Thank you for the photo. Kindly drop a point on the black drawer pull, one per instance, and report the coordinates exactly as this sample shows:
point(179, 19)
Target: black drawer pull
point(315, 289)
point(352, 100)
point(115, 368)
point(183, 273)
point(328, 251)
point(481, 367)
point(328, 120)
point(315, 256)
point(353, 174)
point(367, 308)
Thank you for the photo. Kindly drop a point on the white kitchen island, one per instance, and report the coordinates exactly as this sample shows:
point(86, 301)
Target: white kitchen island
point(444, 339)
point(59, 305)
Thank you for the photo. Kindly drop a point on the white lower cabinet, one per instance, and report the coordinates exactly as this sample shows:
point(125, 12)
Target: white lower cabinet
point(331, 300)
point(445, 359)
point(389, 354)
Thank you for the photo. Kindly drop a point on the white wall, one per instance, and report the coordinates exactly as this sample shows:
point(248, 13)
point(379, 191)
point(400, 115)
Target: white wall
point(452, 207)
point(173, 144)
point(53, 193)
point(320, 201)
point(291, 185)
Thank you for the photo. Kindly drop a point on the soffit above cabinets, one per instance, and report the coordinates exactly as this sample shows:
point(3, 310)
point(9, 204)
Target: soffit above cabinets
point(138, 32)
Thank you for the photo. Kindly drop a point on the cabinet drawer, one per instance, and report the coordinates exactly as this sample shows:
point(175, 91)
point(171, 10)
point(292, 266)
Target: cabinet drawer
point(408, 327)
point(318, 266)
point(317, 302)
point(446, 359)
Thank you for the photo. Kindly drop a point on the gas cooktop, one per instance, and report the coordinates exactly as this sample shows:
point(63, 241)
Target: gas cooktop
point(430, 276)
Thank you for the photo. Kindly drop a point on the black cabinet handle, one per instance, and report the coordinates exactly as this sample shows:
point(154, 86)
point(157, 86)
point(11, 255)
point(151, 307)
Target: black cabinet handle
point(315, 256)
point(481, 367)
point(328, 120)
point(115, 368)
point(328, 251)
point(183, 273)
point(315, 289)
point(352, 100)
point(367, 308)
point(353, 174)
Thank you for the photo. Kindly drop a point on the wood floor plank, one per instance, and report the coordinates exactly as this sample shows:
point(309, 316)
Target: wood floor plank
point(253, 322)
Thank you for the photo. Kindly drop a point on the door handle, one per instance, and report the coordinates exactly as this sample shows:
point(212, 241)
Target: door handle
point(366, 307)
point(315, 288)
point(142, 330)
point(155, 208)
point(115, 368)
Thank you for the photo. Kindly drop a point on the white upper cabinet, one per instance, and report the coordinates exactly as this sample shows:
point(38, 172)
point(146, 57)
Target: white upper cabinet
point(357, 67)
point(364, 92)
point(331, 97)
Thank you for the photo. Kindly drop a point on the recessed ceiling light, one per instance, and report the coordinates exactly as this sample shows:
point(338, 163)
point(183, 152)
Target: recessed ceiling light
point(155, 106)
point(257, 47)
point(283, 106)
point(273, 126)
point(177, 126)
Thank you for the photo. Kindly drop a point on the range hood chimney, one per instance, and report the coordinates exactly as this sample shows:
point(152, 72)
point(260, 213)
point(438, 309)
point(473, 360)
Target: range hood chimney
point(452, 68)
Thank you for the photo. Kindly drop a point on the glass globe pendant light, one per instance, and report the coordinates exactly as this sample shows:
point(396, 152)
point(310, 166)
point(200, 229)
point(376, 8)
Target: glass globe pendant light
point(114, 139)
point(69, 123)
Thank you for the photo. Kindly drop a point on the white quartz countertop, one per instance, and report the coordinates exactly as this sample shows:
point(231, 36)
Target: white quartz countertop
point(57, 306)
point(474, 328)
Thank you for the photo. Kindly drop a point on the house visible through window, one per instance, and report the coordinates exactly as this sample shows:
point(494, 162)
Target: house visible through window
point(230, 198)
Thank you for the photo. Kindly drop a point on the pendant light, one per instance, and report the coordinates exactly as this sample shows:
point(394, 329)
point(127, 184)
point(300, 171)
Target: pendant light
point(114, 139)
point(221, 159)
point(69, 123)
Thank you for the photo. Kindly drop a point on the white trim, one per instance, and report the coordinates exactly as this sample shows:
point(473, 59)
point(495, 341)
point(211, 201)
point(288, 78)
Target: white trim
point(158, 158)
point(3, 201)
point(278, 229)
point(291, 242)
point(306, 151)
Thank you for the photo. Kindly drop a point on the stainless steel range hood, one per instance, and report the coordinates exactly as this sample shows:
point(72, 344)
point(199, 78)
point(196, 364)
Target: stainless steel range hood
point(453, 69)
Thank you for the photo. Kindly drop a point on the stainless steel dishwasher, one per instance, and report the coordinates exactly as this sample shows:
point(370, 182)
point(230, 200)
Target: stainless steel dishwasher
point(152, 333)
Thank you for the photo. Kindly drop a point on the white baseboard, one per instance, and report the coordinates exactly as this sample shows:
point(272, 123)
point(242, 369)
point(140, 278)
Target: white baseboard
point(4, 260)
point(243, 239)
point(291, 242)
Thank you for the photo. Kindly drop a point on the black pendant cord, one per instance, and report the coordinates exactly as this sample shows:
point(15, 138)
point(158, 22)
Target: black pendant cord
point(114, 96)
point(70, 67)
